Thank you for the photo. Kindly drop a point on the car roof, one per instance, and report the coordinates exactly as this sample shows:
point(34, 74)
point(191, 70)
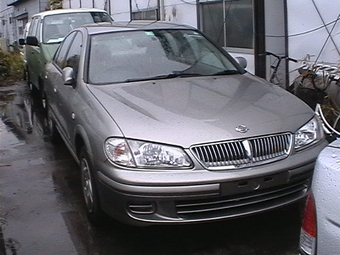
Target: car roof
point(133, 25)
point(61, 11)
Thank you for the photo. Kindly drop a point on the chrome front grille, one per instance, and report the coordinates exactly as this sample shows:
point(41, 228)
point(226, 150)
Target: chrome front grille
point(244, 153)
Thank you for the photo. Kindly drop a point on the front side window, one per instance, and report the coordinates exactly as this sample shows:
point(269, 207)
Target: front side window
point(229, 23)
point(73, 55)
point(153, 54)
point(60, 56)
point(56, 27)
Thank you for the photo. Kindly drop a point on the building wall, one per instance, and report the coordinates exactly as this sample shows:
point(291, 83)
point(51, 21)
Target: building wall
point(181, 12)
point(16, 16)
point(313, 26)
point(173, 10)
point(275, 38)
point(7, 28)
point(120, 10)
point(23, 11)
point(307, 32)
point(72, 4)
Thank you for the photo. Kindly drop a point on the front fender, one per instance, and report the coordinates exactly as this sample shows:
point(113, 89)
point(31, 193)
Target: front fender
point(80, 139)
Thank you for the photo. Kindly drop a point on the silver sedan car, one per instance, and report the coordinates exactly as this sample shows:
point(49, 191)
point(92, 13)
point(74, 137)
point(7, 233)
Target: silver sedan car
point(168, 128)
point(320, 232)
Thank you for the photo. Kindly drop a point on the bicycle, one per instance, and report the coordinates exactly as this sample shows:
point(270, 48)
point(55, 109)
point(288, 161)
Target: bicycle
point(274, 77)
point(319, 86)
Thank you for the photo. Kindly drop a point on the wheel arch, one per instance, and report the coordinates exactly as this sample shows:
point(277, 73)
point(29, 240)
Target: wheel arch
point(81, 140)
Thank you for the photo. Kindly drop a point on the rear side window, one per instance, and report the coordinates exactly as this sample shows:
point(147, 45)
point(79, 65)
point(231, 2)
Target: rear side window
point(33, 28)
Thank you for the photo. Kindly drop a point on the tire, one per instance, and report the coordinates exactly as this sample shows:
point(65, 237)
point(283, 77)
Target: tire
point(24, 74)
point(90, 191)
point(43, 97)
point(52, 131)
point(33, 90)
point(28, 80)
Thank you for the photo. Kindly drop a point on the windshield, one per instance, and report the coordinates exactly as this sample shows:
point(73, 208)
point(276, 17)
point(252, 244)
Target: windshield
point(57, 26)
point(154, 54)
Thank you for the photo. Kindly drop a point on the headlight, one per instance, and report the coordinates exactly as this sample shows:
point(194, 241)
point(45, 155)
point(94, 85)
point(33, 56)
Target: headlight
point(308, 134)
point(141, 154)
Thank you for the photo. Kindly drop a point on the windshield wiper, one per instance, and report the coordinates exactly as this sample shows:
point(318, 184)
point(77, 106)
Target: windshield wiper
point(164, 76)
point(227, 72)
point(175, 74)
point(157, 77)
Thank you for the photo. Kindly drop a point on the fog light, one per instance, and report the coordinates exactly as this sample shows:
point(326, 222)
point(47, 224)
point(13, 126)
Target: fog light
point(142, 208)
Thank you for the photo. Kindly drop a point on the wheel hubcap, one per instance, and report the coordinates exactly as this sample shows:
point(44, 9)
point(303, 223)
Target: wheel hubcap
point(43, 101)
point(87, 185)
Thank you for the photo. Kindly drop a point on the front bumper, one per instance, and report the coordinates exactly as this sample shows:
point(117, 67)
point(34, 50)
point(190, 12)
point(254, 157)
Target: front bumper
point(176, 204)
point(140, 198)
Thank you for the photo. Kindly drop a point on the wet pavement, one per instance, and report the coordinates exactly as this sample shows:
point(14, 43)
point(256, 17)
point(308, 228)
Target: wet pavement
point(42, 211)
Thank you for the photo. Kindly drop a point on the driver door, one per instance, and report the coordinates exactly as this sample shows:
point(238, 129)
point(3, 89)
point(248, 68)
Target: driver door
point(60, 96)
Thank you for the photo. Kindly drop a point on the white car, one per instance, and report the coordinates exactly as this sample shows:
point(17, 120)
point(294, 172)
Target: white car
point(320, 232)
point(46, 30)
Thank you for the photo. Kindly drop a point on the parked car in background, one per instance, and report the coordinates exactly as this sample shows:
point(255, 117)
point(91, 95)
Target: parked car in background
point(23, 49)
point(46, 31)
point(168, 128)
point(320, 232)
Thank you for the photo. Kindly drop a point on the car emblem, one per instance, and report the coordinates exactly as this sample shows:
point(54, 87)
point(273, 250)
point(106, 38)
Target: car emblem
point(241, 129)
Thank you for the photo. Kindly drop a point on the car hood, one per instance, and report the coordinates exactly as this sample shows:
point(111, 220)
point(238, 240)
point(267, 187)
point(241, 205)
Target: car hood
point(188, 111)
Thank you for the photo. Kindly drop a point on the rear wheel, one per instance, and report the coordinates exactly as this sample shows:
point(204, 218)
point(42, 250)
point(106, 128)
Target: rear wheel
point(24, 74)
point(28, 80)
point(90, 191)
point(42, 93)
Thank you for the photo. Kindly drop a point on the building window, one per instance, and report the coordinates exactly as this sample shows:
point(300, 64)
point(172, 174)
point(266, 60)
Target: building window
point(229, 22)
point(20, 30)
point(146, 15)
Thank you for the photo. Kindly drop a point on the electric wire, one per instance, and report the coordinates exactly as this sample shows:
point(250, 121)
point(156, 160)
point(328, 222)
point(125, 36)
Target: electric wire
point(220, 32)
point(329, 32)
point(308, 31)
point(186, 2)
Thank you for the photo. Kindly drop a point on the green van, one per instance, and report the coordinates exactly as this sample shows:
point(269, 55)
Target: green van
point(46, 31)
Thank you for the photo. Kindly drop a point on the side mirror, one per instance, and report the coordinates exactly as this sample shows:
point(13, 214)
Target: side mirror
point(68, 76)
point(22, 41)
point(32, 40)
point(242, 61)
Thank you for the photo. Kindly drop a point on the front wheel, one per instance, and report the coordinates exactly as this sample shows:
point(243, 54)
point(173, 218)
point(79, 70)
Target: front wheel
point(52, 131)
point(89, 187)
